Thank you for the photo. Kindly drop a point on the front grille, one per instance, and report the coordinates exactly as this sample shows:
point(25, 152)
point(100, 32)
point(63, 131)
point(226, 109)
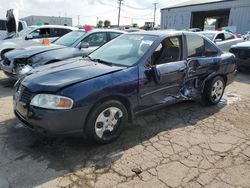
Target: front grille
point(25, 94)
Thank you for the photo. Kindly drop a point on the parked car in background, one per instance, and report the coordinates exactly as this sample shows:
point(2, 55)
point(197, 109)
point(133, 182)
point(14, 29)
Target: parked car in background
point(194, 30)
point(127, 76)
point(3, 29)
point(247, 36)
point(133, 29)
point(17, 63)
point(224, 40)
point(32, 36)
point(242, 53)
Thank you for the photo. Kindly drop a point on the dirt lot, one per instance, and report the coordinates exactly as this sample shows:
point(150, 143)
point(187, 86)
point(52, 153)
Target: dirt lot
point(184, 145)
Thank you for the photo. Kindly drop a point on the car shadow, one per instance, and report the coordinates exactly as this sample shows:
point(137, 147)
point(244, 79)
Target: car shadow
point(6, 87)
point(64, 155)
point(244, 77)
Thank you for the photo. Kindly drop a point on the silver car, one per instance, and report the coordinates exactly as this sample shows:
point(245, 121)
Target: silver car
point(17, 63)
point(224, 40)
point(33, 36)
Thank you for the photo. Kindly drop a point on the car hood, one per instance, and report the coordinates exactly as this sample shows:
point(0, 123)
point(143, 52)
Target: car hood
point(242, 45)
point(54, 77)
point(31, 51)
point(16, 43)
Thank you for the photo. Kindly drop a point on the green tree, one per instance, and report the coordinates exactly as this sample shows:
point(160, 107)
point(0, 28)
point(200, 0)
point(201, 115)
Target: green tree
point(100, 24)
point(107, 23)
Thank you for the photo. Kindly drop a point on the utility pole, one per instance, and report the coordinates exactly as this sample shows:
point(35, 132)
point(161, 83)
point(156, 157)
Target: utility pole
point(119, 11)
point(78, 17)
point(97, 19)
point(155, 4)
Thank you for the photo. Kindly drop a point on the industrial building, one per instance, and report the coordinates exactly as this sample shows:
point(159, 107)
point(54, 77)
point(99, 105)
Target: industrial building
point(47, 20)
point(234, 14)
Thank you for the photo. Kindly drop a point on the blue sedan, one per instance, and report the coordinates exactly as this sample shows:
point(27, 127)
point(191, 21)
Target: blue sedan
point(99, 94)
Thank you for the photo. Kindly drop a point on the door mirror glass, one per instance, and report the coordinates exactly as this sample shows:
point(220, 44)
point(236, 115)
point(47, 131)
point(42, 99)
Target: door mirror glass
point(28, 37)
point(84, 45)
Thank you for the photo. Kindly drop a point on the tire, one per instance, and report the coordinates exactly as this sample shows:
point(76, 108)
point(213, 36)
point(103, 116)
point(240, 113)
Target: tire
point(106, 121)
point(213, 91)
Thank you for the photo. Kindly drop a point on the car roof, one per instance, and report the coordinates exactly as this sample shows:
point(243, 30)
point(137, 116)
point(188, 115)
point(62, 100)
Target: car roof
point(103, 30)
point(55, 26)
point(161, 33)
point(213, 32)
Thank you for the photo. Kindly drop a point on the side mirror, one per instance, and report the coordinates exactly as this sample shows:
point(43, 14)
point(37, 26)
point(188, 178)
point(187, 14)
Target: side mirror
point(155, 74)
point(28, 37)
point(217, 40)
point(84, 45)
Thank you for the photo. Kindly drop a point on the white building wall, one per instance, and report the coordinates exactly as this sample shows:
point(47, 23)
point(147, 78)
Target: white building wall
point(181, 18)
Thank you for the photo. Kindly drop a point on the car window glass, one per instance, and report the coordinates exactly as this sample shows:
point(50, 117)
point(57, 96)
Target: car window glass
point(125, 50)
point(70, 38)
point(168, 51)
point(114, 35)
point(195, 45)
point(41, 33)
point(20, 26)
point(96, 39)
point(3, 25)
point(220, 36)
point(228, 36)
point(58, 32)
point(210, 49)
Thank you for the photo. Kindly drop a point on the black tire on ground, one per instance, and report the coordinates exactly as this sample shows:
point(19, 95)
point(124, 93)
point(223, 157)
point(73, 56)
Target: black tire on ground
point(113, 111)
point(213, 91)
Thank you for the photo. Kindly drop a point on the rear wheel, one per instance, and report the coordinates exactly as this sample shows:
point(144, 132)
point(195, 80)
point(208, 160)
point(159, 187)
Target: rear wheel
point(214, 90)
point(106, 121)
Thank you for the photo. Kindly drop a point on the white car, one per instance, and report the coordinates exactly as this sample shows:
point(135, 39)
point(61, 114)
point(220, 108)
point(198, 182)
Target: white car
point(224, 40)
point(33, 36)
point(247, 36)
point(3, 28)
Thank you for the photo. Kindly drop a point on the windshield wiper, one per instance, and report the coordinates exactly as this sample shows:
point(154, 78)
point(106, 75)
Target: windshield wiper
point(100, 61)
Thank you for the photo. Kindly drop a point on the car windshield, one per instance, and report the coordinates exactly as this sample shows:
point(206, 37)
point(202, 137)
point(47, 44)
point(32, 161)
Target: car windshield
point(125, 50)
point(25, 31)
point(209, 35)
point(70, 38)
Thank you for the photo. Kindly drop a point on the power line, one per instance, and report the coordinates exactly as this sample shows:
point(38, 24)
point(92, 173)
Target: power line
point(142, 14)
point(137, 8)
point(102, 13)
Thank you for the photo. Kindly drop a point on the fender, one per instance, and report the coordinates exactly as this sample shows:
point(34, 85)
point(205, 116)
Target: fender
point(210, 76)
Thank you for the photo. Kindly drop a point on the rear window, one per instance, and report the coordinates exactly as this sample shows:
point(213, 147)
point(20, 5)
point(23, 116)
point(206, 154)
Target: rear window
point(114, 35)
point(229, 36)
point(58, 32)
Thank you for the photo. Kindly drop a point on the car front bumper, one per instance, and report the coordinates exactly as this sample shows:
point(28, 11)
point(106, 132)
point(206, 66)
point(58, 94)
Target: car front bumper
point(51, 122)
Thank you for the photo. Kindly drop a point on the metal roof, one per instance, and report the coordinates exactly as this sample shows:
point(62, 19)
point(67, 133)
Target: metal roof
point(194, 3)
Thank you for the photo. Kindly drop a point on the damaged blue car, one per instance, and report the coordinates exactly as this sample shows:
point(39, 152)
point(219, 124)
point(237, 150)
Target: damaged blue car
point(99, 94)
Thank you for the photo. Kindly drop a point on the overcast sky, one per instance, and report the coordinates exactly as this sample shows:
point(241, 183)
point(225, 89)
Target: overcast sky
point(136, 11)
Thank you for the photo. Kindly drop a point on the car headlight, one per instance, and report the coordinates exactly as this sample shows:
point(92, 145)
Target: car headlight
point(24, 69)
point(49, 101)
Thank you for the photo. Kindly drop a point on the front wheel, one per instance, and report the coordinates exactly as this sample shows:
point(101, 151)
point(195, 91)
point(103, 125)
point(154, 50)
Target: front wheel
point(214, 90)
point(106, 121)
